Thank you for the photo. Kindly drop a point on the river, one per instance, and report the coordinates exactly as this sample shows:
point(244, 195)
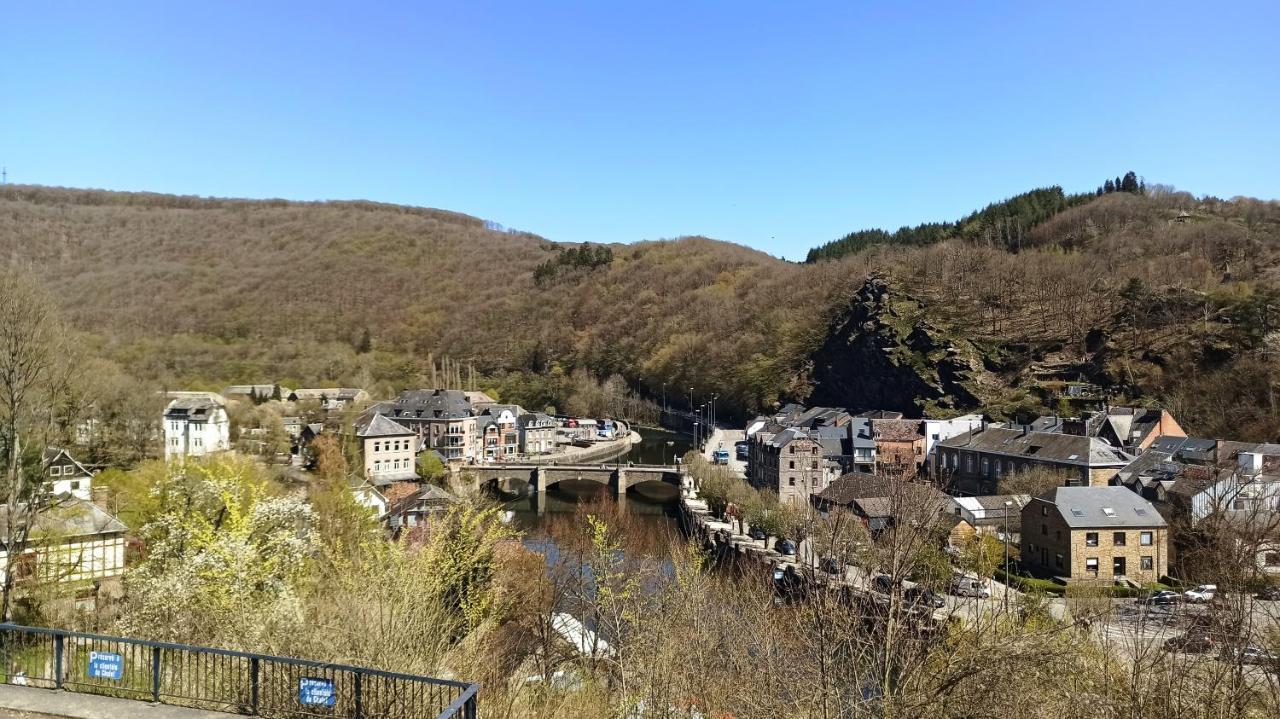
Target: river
point(651, 506)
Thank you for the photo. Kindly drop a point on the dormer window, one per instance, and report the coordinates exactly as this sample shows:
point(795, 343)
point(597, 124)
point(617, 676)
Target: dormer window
point(55, 471)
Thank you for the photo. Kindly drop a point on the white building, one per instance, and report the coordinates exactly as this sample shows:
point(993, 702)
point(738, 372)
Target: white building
point(390, 451)
point(68, 542)
point(64, 475)
point(936, 430)
point(194, 427)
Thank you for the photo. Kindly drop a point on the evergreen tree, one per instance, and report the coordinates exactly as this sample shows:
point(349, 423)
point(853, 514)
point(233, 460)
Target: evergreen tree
point(1108, 187)
point(365, 343)
point(275, 392)
point(1130, 182)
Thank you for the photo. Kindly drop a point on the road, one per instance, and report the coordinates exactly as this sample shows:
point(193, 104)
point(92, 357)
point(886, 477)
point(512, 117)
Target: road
point(724, 439)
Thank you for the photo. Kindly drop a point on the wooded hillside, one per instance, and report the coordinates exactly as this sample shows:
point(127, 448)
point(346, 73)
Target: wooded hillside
point(1115, 290)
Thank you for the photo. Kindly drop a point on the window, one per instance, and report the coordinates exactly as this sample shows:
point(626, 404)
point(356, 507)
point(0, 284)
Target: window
point(1147, 564)
point(55, 471)
point(1091, 565)
point(1091, 539)
point(377, 446)
point(791, 481)
point(1044, 511)
point(1271, 559)
point(791, 464)
point(1117, 539)
point(1044, 529)
point(67, 470)
point(1145, 539)
point(1057, 534)
point(75, 485)
point(1057, 560)
point(815, 464)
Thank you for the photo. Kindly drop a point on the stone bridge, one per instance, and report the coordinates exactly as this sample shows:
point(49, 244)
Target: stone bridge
point(541, 476)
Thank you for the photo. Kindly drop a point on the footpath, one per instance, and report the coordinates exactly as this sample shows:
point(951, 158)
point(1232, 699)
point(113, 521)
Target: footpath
point(17, 702)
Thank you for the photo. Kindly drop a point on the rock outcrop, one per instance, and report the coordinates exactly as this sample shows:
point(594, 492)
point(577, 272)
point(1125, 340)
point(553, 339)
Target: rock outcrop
point(881, 352)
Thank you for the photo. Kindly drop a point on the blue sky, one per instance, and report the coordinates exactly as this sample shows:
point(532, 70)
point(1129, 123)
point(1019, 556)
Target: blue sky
point(777, 125)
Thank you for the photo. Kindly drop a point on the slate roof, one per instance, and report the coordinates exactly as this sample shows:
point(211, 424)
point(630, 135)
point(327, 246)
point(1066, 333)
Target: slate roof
point(193, 409)
point(380, 426)
point(1045, 446)
point(71, 517)
point(428, 404)
point(339, 393)
point(1100, 507)
point(860, 485)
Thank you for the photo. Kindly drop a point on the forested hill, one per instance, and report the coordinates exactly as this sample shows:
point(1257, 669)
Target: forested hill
point(1005, 223)
point(1151, 296)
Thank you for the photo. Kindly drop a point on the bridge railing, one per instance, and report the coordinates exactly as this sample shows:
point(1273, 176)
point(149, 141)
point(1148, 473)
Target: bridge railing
point(223, 680)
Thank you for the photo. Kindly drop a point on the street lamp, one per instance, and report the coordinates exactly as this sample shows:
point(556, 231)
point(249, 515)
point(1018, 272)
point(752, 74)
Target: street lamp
point(1007, 503)
point(696, 437)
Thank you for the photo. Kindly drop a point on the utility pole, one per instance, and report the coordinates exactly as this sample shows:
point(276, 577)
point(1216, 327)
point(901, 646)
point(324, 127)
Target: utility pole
point(1007, 504)
point(4, 175)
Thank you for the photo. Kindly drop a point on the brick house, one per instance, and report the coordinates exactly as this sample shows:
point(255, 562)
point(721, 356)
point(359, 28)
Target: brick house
point(1094, 534)
point(900, 444)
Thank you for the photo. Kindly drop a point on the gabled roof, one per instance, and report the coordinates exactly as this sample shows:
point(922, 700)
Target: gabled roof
point(860, 485)
point(1100, 507)
point(380, 426)
point(69, 517)
point(54, 455)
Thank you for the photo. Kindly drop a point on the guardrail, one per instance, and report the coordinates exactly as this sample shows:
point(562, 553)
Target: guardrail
point(223, 680)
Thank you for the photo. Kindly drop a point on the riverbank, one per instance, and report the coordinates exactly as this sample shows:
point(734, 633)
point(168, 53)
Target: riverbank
point(597, 452)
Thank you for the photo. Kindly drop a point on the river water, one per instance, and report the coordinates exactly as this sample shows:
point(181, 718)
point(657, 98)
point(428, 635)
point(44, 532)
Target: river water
point(651, 505)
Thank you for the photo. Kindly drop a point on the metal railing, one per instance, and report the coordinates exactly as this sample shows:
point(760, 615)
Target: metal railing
point(223, 680)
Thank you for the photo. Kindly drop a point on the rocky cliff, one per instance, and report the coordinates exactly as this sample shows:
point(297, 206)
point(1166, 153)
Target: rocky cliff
point(882, 352)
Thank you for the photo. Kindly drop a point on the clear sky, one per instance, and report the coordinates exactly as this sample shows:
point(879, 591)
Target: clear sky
point(779, 125)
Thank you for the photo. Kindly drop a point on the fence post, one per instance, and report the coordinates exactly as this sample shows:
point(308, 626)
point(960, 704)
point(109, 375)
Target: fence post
point(253, 683)
point(359, 698)
point(57, 661)
point(155, 674)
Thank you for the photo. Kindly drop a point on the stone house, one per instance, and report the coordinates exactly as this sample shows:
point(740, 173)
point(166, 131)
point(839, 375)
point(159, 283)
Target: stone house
point(390, 451)
point(499, 431)
point(1094, 534)
point(792, 464)
point(975, 462)
point(537, 433)
point(443, 420)
point(900, 445)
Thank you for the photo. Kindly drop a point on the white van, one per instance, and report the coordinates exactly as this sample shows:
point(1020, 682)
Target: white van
point(962, 586)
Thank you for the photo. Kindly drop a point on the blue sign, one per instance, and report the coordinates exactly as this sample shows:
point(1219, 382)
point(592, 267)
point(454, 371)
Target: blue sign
point(316, 692)
point(105, 665)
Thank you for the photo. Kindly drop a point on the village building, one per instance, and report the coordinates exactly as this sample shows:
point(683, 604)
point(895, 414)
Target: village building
point(884, 502)
point(331, 399)
point(499, 431)
point(418, 508)
point(64, 475)
point(537, 433)
point(791, 463)
point(390, 451)
point(442, 419)
point(194, 427)
point(900, 445)
point(974, 462)
point(993, 513)
point(1094, 534)
point(68, 542)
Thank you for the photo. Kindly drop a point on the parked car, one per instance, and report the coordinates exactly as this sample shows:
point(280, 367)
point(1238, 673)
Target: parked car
point(884, 583)
point(830, 566)
point(756, 533)
point(1192, 643)
point(1202, 594)
point(922, 596)
point(1163, 597)
point(785, 546)
point(969, 587)
point(1270, 594)
point(1249, 654)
